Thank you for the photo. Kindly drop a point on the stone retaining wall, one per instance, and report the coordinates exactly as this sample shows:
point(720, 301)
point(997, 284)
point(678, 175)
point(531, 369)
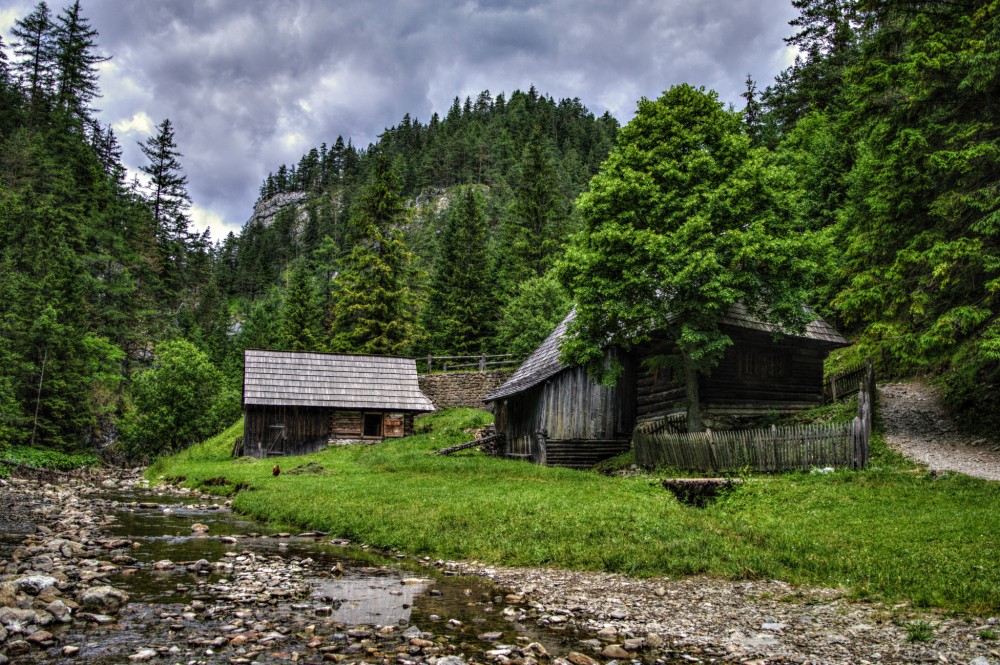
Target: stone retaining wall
point(451, 389)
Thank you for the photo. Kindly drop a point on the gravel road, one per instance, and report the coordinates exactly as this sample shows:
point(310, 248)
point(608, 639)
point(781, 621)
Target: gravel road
point(917, 425)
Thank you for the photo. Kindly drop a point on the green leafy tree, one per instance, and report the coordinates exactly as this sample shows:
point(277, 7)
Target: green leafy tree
point(534, 312)
point(683, 221)
point(179, 401)
point(457, 315)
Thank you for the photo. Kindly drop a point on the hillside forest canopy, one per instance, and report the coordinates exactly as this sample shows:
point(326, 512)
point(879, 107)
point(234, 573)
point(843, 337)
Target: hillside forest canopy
point(862, 181)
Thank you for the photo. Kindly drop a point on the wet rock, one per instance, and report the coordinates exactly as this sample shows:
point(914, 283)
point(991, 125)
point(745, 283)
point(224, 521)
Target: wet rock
point(607, 634)
point(615, 651)
point(449, 660)
point(40, 638)
point(634, 644)
point(143, 654)
point(15, 619)
point(102, 599)
point(578, 658)
point(17, 647)
point(491, 636)
point(198, 527)
point(70, 650)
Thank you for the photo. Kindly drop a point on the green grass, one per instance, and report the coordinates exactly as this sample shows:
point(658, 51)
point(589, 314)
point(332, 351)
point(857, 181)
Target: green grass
point(41, 458)
point(890, 532)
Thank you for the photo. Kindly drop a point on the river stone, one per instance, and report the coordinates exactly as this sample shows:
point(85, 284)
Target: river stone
point(12, 617)
point(634, 644)
point(35, 584)
point(8, 594)
point(70, 650)
point(578, 658)
point(164, 564)
point(450, 660)
point(980, 660)
point(654, 641)
point(143, 654)
point(59, 610)
point(17, 647)
point(102, 599)
point(39, 637)
point(198, 527)
point(615, 651)
point(607, 634)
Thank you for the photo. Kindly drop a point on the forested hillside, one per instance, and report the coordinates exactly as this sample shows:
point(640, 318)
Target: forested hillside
point(879, 147)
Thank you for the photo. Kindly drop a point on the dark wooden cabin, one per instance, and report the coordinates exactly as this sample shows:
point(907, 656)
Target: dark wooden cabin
point(553, 414)
point(295, 403)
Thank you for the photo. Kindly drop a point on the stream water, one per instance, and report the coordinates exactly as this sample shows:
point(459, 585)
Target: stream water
point(181, 614)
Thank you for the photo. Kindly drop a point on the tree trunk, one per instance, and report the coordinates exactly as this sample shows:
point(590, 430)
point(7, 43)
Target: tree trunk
point(694, 423)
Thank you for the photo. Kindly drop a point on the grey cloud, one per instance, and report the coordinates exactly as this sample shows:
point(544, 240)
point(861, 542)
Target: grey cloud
point(238, 78)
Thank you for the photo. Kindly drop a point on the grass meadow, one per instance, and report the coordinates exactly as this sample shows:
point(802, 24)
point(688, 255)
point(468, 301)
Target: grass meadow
point(891, 532)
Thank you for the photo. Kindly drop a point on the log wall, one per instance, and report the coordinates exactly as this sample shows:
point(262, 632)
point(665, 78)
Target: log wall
point(757, 375)
point(296, 430)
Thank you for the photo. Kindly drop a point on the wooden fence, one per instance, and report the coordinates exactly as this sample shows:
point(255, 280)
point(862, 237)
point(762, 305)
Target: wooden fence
point(787, 448)
point(849, 381)
point(480, 362)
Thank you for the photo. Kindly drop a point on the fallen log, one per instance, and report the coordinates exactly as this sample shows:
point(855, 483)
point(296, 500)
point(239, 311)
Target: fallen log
point(467, 445)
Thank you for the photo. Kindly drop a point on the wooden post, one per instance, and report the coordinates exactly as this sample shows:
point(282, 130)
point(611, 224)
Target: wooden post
point(429, 358)
point(482, 363)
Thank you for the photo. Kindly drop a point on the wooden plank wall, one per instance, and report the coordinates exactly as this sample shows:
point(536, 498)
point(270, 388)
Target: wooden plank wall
point(305, 430)
point(569, 407)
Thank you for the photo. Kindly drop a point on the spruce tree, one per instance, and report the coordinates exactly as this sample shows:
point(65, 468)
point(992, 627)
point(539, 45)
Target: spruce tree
point(168, 201)
point(76, 63)
point(299, 325)
point(457, 316)
point(375, 310)
point(35, 57)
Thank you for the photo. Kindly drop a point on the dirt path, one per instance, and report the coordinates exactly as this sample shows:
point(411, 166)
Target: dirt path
point(918, 426)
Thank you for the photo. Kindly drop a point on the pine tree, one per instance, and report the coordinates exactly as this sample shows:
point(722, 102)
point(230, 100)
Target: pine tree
point(35, 63)
point(299, 326)
point(375, 310)
point(457, 315)
point(76, 63)
point(168, 202)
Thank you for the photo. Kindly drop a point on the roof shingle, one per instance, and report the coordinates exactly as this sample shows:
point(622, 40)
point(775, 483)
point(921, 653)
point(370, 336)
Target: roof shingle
point(276, 378)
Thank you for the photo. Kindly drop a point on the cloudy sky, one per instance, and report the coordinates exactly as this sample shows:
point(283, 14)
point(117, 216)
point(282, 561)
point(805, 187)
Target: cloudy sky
point(250, 84)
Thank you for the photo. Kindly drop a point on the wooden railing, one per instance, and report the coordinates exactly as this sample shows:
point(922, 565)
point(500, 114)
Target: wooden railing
point(773, 449)
point(849, 381)
point(461, 363)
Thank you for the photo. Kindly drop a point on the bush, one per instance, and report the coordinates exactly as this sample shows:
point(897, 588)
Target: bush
point(181, 400)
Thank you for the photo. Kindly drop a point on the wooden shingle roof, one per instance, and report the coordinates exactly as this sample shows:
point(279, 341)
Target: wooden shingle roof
point(544, 362)
point(289, 378)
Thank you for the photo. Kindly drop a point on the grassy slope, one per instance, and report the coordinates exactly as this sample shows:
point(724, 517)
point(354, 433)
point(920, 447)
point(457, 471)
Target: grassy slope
point(890, 532)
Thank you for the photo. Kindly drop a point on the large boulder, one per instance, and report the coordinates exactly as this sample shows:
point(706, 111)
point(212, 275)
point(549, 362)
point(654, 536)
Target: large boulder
point(102, 599)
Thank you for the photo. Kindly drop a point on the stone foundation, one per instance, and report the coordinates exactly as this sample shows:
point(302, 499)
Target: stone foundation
point(448, 390)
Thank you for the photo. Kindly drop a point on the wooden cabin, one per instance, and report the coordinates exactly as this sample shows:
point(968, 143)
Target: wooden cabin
point(295, 403)
point(553, 414)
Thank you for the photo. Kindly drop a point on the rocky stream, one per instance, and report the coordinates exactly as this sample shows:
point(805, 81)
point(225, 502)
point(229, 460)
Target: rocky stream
point(105, 569)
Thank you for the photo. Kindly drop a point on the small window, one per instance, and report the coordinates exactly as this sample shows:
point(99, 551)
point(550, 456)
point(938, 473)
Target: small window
point(373, 424)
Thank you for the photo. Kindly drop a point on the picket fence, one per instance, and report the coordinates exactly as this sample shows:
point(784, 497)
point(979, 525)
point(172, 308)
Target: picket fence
point(769, 449)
